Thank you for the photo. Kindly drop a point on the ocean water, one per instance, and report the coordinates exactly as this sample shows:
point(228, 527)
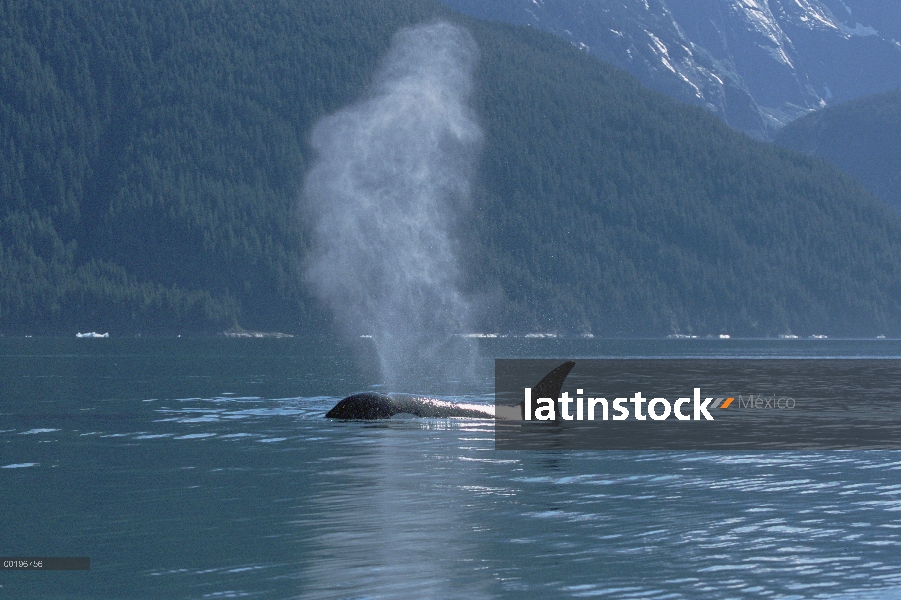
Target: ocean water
point(203, 468)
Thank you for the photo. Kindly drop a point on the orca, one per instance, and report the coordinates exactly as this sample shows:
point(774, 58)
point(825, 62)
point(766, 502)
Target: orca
point(372, 405)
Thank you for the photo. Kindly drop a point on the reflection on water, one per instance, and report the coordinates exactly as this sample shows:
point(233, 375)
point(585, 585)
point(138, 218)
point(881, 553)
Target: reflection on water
point(393, 520)
point(174, 491)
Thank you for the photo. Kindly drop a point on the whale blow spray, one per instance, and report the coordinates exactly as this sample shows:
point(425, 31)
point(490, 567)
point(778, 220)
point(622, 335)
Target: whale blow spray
point(384, 197)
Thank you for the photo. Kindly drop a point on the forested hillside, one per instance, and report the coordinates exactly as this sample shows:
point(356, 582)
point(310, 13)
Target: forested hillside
point(153, 154)
point(863, 137)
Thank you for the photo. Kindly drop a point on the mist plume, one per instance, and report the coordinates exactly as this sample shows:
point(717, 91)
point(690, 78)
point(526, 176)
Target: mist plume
point(384, 198)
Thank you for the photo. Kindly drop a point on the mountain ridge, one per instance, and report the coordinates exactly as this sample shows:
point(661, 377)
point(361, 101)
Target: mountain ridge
point(862, 137)
point(158, 153)
point(758, 64)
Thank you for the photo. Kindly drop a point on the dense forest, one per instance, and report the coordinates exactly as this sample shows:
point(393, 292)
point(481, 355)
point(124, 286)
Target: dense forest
point(863, 137)
point(153, 154)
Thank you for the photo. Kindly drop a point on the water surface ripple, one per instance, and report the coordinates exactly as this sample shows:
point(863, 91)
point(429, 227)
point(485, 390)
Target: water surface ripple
point(250, 492)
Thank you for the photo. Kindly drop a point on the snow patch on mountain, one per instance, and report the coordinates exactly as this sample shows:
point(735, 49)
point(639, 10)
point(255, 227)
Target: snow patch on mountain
point(759, 16)
point(815, 15)
point(758, 64)
point(860, 30)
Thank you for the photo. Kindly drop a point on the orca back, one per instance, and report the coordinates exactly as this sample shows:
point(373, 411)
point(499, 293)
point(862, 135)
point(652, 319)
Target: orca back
point(371, 405)
point(367, 405)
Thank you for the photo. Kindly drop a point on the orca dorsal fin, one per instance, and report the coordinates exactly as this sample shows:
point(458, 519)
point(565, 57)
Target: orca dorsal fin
point(551, 384)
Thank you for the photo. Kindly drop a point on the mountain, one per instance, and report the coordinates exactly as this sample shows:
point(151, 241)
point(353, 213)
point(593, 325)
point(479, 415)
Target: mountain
point(758, 64)
point(154, 154)
point(863, 137)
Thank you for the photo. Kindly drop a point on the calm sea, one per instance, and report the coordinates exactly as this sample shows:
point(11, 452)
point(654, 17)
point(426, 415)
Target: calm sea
point(203, 468)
